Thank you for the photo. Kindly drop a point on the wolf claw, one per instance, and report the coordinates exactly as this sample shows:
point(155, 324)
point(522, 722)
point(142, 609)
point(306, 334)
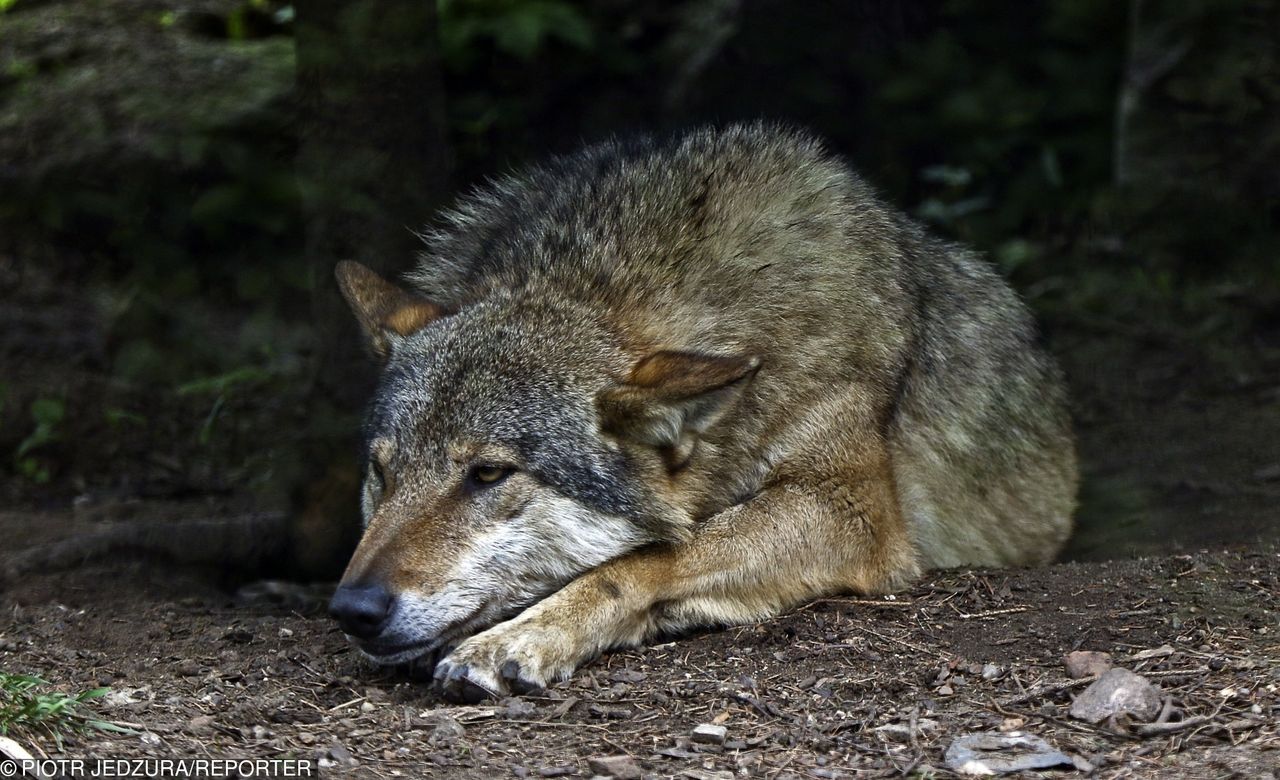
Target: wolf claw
point(510, 674)
point(455, 684)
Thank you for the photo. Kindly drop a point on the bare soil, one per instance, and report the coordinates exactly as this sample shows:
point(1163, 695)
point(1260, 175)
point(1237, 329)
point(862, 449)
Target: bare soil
point(844, 687)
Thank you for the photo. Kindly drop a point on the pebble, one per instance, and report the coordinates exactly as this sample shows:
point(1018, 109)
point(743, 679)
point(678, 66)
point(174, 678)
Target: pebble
point(447, 730)
point(1117, 691)
point(341, 755)
point(1086, 663)
point(620, 767)
point(520, 708)
point(556, 771)
point(991, 672)
point(992, 753)
point(709, 733)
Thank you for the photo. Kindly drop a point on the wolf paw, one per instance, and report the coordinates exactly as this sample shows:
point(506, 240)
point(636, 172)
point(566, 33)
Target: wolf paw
point(498, 662)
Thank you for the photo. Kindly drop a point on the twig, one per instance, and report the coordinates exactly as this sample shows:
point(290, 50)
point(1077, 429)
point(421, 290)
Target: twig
point(1156, 729)
point(1051, 689)
point(988, 613)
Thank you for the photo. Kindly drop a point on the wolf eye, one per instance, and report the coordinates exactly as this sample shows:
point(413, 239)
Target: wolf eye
point(379, 477)
point(487, 475)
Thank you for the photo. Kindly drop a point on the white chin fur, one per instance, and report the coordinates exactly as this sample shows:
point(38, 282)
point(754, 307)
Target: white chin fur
point(508, 568)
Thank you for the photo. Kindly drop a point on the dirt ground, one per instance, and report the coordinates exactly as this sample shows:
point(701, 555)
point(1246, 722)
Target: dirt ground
point(841, 688)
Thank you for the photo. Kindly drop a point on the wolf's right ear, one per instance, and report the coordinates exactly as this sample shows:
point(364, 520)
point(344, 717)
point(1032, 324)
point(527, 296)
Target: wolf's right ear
point(671, 398)
point(385, 311)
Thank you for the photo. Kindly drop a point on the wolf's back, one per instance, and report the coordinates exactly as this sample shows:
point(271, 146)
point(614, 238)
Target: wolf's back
point(755, 239)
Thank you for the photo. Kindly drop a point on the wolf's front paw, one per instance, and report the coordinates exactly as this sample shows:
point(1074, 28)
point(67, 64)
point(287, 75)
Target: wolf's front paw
point(508, 658)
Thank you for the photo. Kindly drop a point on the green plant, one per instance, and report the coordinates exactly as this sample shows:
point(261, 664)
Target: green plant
point(47, 414)
point(118, 418)
point(519, 28)
point(23, 708)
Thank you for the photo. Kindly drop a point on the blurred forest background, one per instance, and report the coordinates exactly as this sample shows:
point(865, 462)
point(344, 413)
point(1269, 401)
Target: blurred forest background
point(177, 179)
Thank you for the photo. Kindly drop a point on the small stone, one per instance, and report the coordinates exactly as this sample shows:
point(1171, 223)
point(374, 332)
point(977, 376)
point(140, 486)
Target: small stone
point(556, 771)
point(150, 739)
point(188, 669)
point(621, 767)
point(340, 754)
point(945, 690)
point(1117, 691)
point(367, 706)
point(447, 730)
point(1086, 663)
point(306, 737)
point(709, 734)
point(990, 753)
point(200, 724)
point(520, 708)
point(285, 633)
point(991, 672)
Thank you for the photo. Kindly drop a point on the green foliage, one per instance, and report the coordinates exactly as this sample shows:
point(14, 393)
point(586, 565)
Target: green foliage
point(118, 419)
point(47, 414)
point(24, 708)
point(221, 387)
point(519, 28)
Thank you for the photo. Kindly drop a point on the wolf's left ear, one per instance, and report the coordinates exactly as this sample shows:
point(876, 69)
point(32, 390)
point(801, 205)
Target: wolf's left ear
point(384, 310)
point(670, 398)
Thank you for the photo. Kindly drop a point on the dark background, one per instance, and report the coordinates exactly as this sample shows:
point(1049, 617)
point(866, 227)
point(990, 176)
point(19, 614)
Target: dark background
point(177, 181)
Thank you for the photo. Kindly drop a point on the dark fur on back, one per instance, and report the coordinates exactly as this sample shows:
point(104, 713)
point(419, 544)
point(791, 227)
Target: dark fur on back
point(756, 238)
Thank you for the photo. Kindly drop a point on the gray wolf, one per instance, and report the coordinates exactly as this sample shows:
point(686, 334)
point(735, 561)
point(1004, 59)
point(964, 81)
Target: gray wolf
point(668, 383)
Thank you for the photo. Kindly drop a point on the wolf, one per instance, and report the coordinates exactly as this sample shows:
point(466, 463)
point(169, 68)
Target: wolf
point(698, 380)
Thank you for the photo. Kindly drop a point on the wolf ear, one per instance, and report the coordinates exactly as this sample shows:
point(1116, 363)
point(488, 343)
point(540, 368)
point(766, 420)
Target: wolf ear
point(671, 398)
point(384, 310)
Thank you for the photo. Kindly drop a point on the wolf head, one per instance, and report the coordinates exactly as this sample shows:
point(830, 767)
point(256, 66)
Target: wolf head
point(511, 446)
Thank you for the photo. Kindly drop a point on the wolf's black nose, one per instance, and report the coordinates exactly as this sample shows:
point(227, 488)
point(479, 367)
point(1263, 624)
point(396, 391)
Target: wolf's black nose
point(361, 610)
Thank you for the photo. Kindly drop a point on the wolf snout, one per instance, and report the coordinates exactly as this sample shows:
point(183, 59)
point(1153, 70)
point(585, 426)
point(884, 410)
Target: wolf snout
point(362, 610)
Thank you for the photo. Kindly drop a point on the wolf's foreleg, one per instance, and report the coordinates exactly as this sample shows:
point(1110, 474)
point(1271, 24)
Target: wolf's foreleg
point(794, 541)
